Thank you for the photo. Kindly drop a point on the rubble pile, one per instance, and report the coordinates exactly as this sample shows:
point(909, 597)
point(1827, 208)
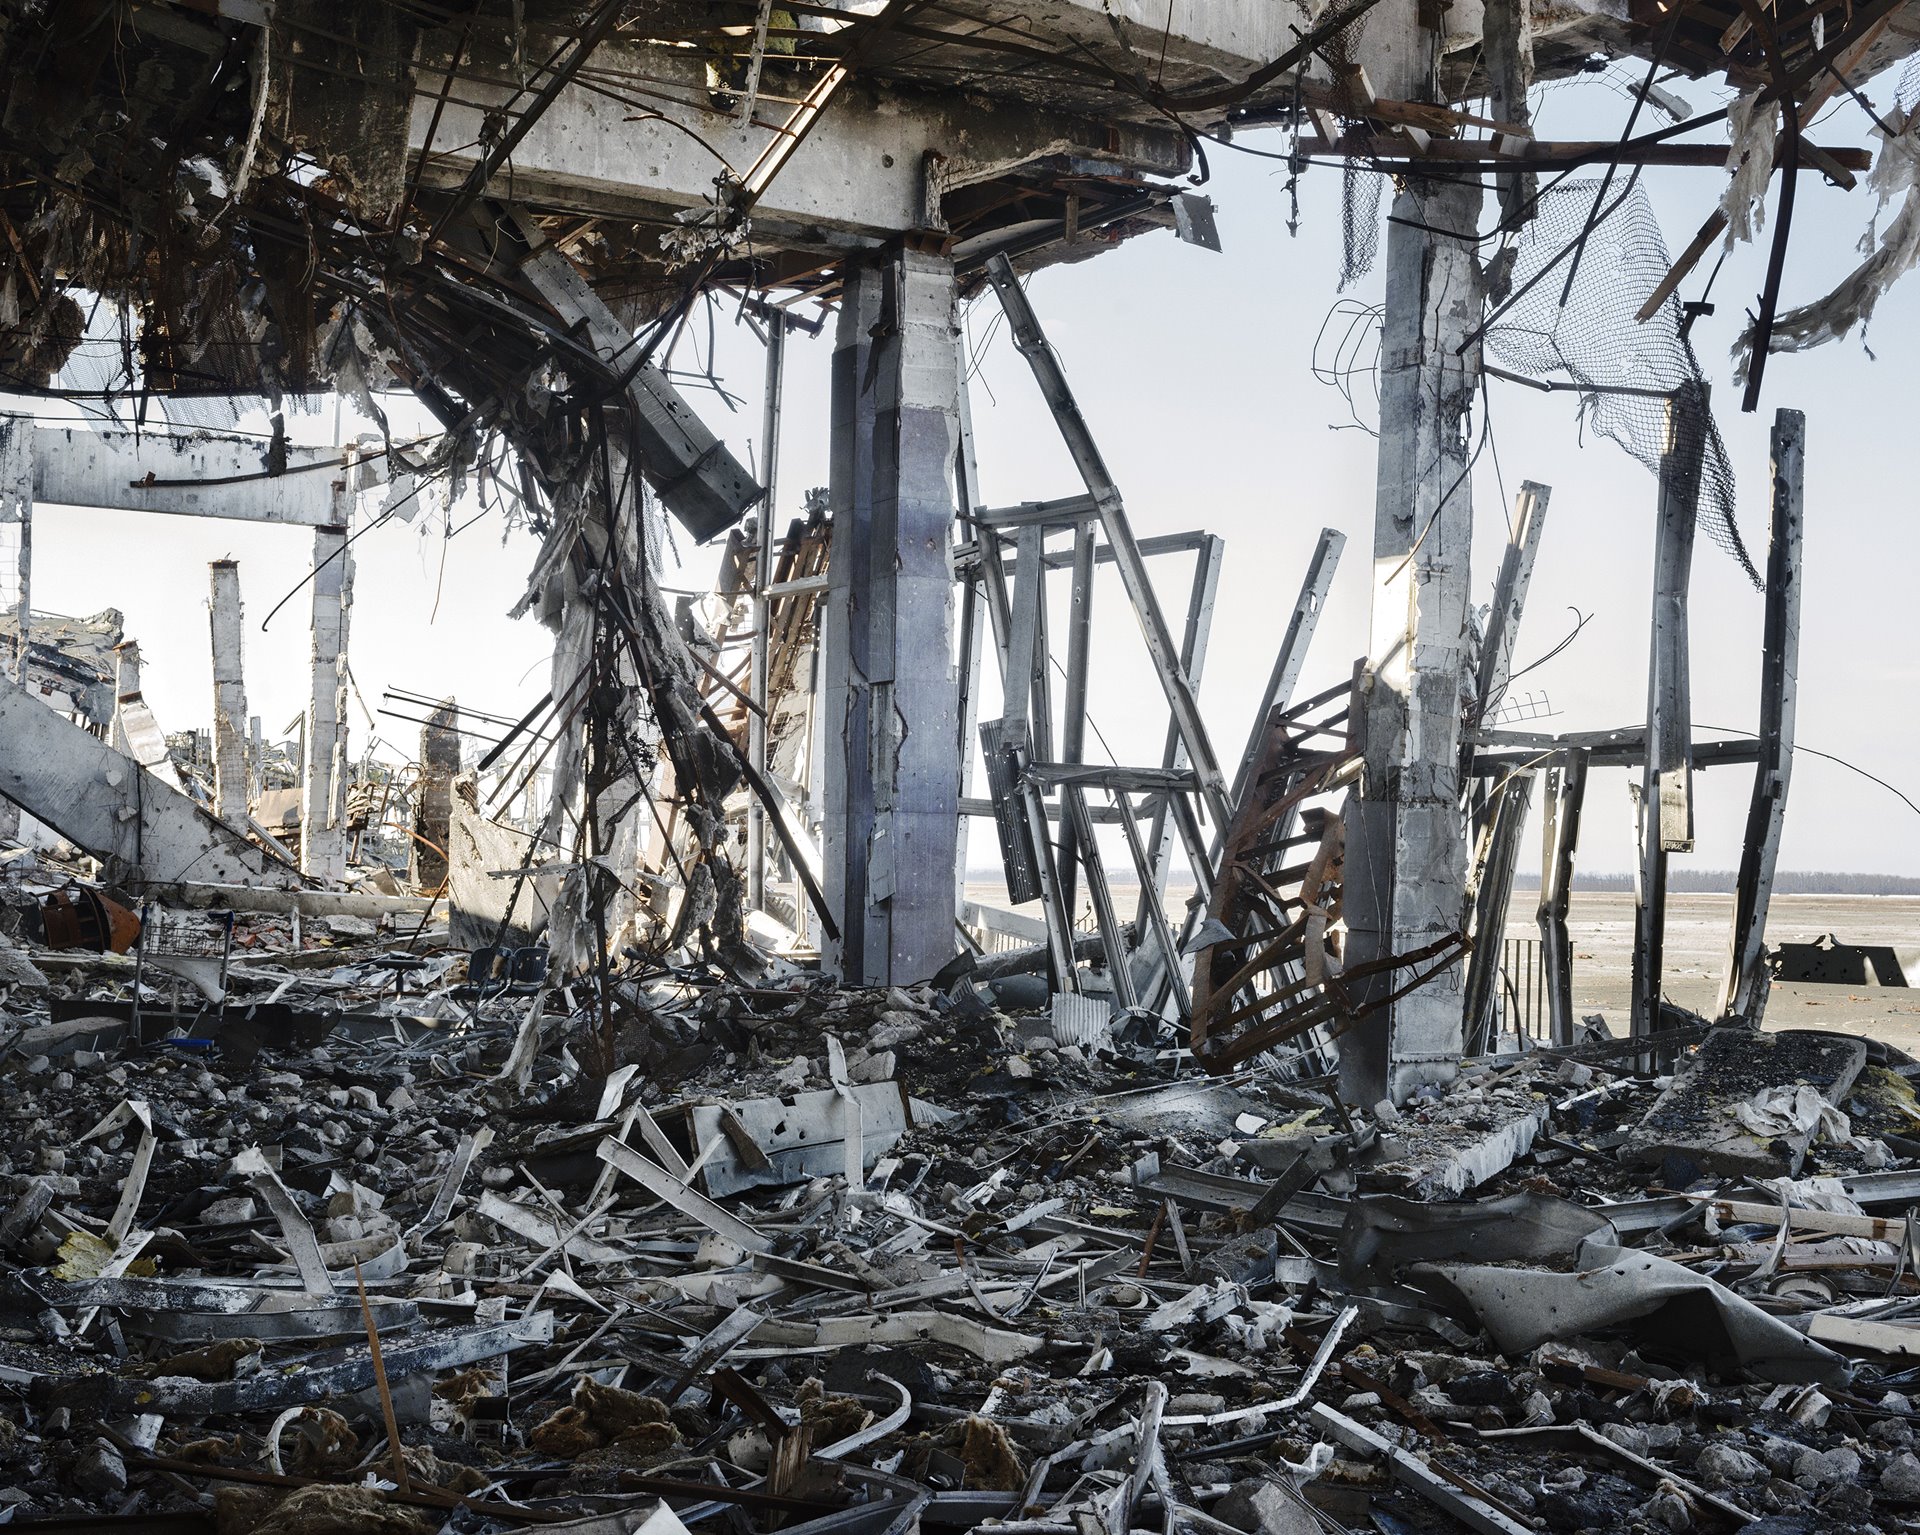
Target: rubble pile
point(789, 1256)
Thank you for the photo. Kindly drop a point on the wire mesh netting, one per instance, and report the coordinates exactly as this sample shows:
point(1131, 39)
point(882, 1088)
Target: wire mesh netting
point(1338, 50)
point(1359, 221)
point(1359, 186)
point(1594, 342)
point(106, 377)
point(1626, 80)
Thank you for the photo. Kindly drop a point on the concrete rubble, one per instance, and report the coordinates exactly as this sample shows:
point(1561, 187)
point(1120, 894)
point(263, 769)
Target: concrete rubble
point(796, 1256)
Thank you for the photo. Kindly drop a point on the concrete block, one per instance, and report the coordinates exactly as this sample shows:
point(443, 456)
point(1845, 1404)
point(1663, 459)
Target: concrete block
point(1695, 1117)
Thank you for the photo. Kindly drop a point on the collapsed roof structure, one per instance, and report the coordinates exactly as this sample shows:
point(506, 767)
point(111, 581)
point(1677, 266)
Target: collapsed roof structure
point(511, 210)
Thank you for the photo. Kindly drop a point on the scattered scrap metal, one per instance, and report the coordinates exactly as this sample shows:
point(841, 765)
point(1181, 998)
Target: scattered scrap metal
point(805, 1258)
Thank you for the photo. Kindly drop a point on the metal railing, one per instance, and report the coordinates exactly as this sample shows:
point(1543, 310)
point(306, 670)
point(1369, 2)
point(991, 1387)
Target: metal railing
point(1522, 996)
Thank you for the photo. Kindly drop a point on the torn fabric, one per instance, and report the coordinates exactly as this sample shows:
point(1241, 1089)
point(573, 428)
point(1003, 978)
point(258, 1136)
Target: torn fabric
point(1754, 128)
point(1851, 302)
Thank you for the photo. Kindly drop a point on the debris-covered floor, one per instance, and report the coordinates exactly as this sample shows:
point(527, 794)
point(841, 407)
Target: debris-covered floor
point(1069, 1285)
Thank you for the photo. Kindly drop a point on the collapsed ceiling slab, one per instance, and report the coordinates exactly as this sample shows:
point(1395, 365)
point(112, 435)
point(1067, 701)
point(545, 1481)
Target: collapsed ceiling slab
point(859, 177)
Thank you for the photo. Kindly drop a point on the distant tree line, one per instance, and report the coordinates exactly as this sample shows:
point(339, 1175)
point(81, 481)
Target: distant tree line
point(1721, 882)
point(1681, 880)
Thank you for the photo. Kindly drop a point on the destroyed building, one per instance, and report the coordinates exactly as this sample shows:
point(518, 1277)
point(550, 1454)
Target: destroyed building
point(621, 1117)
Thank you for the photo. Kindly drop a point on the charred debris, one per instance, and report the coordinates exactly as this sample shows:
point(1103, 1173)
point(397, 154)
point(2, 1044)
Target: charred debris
point(619, 1119)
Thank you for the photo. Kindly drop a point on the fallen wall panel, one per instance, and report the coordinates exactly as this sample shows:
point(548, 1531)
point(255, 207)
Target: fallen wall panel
point(107, 804)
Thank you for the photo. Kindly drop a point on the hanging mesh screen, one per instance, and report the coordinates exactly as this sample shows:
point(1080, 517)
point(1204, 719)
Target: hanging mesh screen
point(1359, 187)
point(98, 367)
point(1360, 221)
point(1595, 343)
point(1338, 50)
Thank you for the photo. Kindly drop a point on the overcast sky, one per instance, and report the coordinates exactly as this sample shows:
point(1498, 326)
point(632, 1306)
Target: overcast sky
point(1194, 370)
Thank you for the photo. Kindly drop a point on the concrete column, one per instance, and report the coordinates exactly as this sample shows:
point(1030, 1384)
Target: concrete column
point(135, 731)
point(323, 790)
point(433, 802)
point(890, 696)
point(16, 506)
point(342, 762)
point(1406, 836)
point(230, 781)
point(126, 669)
point(23, 567)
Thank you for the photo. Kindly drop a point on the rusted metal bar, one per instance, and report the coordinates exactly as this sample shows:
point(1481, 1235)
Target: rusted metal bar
point(1783, 213)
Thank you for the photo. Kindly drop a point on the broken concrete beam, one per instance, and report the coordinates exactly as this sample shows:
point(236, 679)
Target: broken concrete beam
point(103, 801)
point(445, 1349)
point(1861, 1335)
point(284, 902)
point(789, 1140)
point(695, 475)
point(1443, 1148)
point(856, 179)
point(189, 474)
point(1698, 1118)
